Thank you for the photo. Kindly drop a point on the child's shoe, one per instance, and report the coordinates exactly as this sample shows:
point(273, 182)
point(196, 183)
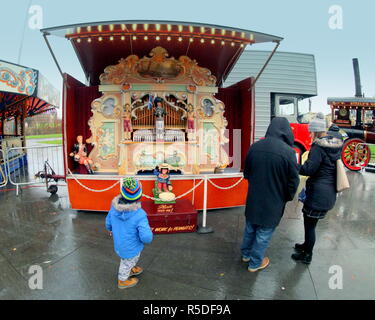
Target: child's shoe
point(136, 271)
point(131, 282)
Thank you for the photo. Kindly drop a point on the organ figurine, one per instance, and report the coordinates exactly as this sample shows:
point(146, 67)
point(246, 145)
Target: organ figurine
point(128, 129)
point(79, 153)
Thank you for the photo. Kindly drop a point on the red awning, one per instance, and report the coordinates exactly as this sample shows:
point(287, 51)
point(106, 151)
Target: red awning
point(12, 105)
point(24, 91)
point(101, 44)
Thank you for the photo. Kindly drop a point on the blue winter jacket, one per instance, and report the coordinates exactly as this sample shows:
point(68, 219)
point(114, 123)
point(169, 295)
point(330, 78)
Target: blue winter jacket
point(129, 226)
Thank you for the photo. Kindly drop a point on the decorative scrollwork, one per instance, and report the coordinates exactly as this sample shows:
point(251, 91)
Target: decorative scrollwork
point(24, 81)
point(160, 67)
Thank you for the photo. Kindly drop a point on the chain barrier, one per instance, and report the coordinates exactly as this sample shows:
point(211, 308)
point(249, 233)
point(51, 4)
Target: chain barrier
point(89, 189)
point(144, 195)
point(152, 198)
point(226, 188)
point(178, 197)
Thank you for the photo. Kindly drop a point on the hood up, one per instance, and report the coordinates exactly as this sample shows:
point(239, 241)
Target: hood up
point(279, 128)
point(124, 210)
point(334, 131)
point(331, 145)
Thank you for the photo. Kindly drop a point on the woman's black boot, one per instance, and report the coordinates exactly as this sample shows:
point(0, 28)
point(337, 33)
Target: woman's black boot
point(302, 257)
point(299, 247)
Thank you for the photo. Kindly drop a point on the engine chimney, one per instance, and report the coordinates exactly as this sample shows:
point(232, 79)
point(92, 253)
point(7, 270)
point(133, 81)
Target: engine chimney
point(357, 79)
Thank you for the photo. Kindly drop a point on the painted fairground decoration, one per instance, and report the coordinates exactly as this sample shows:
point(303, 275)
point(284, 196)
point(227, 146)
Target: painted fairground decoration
point(17, 79)
point(154, 110)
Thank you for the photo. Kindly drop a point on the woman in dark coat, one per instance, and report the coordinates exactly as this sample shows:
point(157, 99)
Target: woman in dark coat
point(321, 184)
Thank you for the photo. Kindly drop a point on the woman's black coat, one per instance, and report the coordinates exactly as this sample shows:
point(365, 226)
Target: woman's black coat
point(321, 169)
point(272, 171)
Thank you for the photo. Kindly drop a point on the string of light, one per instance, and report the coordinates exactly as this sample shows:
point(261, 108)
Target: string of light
point(161, 32)
point(201, 39)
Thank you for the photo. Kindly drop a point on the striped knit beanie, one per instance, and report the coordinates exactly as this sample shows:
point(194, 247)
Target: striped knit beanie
point(131, 189)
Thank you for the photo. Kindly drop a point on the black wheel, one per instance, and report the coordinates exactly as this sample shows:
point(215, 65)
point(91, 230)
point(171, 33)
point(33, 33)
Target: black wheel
point(52, 189)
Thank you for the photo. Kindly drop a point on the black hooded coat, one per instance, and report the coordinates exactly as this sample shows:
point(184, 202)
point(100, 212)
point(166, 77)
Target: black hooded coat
point(272, 172)
point(321, 169)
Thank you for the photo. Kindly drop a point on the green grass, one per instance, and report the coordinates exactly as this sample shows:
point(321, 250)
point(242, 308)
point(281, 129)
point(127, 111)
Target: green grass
point(51, 141)
point(45, 136)
point(372, 150)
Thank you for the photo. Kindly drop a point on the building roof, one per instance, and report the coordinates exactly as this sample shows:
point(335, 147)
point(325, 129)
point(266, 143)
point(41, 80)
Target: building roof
point(100, 44)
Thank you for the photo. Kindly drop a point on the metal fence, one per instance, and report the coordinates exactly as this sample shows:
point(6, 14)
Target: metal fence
point(24, 163)
point(3, 170)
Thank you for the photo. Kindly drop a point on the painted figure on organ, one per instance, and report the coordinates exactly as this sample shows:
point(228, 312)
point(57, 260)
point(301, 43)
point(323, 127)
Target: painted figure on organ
point(162, 174)
point(79, 153)
point(159, 110)
point(128, 129)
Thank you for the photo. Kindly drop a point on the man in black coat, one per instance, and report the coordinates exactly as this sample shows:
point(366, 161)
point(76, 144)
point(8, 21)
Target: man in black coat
point(272, 172)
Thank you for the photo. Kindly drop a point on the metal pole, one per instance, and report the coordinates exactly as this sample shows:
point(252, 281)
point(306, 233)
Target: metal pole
point(204, 229)
point(204, 222)
point(45, 34)
point(265, 65)
point(23, 33)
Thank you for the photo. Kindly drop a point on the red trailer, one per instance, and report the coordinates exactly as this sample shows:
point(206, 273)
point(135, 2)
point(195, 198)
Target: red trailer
point(126, 64)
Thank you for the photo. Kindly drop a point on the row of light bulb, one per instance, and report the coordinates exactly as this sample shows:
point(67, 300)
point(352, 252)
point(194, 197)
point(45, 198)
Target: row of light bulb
point(202, 40)
point(169, 28)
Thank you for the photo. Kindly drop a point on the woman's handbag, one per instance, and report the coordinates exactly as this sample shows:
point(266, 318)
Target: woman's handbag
point(342, 182)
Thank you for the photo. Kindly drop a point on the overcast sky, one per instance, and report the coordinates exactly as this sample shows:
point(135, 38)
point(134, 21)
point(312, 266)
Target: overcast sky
point(303, 24)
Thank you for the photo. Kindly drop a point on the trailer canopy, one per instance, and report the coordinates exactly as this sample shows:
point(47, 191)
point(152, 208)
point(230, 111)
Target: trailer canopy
point(100, 44)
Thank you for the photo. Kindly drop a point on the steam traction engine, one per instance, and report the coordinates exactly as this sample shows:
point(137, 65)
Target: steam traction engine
point(356, 118)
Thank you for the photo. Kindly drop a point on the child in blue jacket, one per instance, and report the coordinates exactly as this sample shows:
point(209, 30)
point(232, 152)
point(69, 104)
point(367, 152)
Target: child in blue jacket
point(128, 224)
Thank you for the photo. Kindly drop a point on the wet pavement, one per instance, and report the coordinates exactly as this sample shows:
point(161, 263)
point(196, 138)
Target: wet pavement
point(78, 261)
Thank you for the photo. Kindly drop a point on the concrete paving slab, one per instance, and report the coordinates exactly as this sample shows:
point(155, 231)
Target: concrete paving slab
point(357, 269)
point(12, 285)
